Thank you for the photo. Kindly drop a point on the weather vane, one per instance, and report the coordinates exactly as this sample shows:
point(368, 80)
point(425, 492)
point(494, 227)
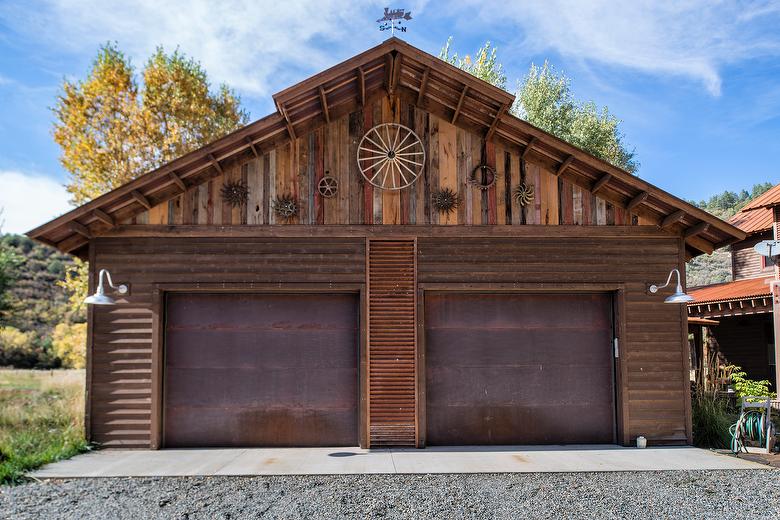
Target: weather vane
point(393, 20)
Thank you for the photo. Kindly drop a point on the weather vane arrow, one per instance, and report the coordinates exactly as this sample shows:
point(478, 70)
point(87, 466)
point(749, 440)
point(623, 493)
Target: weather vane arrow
point(393, 20)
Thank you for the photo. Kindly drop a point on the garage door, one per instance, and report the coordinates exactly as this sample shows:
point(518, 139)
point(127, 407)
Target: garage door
point(519, 369)
point(261, 370)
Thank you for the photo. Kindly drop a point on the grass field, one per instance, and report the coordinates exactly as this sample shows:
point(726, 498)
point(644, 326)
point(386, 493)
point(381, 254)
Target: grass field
point(41, 419)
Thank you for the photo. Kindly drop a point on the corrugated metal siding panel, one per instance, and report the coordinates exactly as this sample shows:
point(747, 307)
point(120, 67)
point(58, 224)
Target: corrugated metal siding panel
point(652, 347)
point(392, 352)
point(120, 404)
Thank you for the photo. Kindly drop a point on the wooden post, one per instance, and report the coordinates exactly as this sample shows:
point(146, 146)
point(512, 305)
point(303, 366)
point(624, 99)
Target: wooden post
point(776, 296)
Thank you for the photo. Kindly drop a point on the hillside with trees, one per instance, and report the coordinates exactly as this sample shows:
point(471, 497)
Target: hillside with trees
point(716, 268)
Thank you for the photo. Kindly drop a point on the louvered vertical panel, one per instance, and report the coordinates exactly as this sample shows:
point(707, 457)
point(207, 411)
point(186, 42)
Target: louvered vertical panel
point(392, 343)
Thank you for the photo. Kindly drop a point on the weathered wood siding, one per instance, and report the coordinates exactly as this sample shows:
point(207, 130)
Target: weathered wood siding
point(652, 348)
point(654, 390)
point(745, 262)
point(452, 153)
point(121, 346)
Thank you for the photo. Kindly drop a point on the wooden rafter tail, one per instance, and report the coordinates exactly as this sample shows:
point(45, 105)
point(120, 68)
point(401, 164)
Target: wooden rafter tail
point(601, 183)
point(423, 86)
point(636, 201)
point(529, 147)
point(141, 199)
point(460, 104)
point(81, 229)
point(178, 181)
point(361, 79)
point(494, 124)
point(215, 164)
point(324, 103)
point(104, 217)
point(696, 229)
point(705, 246)
point(564, 165)
point(672, 218)
point(290, 129)
point(252, 147)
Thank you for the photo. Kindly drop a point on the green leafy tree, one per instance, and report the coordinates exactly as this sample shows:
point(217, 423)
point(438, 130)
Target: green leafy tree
point(111, 129)
point(483, 65)
point(545, 100)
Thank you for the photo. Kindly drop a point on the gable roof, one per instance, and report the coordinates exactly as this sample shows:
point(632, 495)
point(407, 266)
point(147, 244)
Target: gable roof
point(430, 83)
point(731, 291)
point(757, 217)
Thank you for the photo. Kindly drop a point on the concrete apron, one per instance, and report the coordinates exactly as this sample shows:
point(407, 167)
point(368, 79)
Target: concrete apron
point(340, 461)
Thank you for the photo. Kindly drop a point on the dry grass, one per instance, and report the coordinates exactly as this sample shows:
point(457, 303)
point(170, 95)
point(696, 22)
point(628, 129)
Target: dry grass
point(41, 419)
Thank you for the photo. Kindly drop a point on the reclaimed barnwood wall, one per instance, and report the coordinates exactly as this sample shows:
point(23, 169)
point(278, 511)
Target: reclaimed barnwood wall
point(295, 168)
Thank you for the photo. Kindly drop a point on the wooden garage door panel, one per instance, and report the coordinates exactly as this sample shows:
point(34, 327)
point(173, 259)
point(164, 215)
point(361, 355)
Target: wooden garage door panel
point(261, 370)
point(519, 368)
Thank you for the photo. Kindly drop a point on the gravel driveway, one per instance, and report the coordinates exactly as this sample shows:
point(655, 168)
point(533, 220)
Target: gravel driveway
point(677, 494)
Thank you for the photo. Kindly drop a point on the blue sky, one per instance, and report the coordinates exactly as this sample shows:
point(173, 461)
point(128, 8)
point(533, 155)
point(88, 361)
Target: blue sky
point(696, 83)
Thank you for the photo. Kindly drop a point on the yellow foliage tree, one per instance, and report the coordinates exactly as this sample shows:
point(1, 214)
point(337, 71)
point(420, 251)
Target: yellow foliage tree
point(70, 344)
point(111, 130)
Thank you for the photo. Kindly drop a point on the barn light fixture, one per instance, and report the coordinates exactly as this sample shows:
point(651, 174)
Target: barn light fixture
point(100, 297)
point(679, 296)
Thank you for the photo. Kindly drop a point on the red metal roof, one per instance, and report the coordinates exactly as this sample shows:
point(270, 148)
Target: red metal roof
point(757, 216)
point(731, 291)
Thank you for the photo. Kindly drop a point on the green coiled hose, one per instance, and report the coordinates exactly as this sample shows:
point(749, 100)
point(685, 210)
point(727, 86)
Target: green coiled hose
point(750, 425)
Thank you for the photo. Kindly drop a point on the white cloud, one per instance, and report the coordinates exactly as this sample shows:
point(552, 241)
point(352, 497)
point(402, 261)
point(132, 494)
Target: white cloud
point(692, 38)
point(255, 47)
point(27, 201)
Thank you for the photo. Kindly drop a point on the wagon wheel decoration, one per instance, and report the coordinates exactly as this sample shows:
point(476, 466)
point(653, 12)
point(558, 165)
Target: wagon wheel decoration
point(483, 177)
point(328, 187)
point(390, 156)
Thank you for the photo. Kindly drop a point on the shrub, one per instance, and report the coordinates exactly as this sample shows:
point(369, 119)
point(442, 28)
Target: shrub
point(712, 416)
point(745, 387)
point(23, 350)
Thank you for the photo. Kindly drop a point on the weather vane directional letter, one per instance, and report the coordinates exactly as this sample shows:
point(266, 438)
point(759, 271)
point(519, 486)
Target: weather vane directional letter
point(393, 20)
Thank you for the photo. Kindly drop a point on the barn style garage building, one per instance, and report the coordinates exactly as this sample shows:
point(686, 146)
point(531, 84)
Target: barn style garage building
point(390, 258)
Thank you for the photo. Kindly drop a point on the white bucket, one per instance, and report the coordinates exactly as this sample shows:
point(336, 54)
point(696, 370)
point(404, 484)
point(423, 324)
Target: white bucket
point(641, 442)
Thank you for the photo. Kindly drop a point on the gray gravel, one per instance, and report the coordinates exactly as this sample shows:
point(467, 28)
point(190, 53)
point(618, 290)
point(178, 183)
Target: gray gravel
point(674, 494)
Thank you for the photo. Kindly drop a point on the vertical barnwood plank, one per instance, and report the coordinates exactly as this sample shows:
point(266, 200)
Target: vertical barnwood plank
point(330, 154)
point(523, 166)
point(601, 212)
point(404, 195)
point(491, 194)
point(187, 206)
point(576, 204)
point(342, 150)
point(378, 201)
point(474, 159)
point(291, 177)
point(620, 216)
point(550, 201)
point(177, 209)
point(158, 215)
point(505, 159)
point(311, 175)
point(610, 212)
point(391, 199)
point(368, 189)
point(567, 202)
point(281, 179)
point(255, 201)
point(355, 194)
point(514, 170)
point(538, 189)
point(203, 203)
point(227, 211)
point(245, 206)
point(448, 165)
point(171, 211)
point(302, 176)
point(587, 210)
point(142, 218)
point(320, 136)
point(270, 179)
point(216, 199)
point(423, 185)
point(463, 187)
point(413, 199)
point(434, 160)
point(501, 185)
point(235, 211)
